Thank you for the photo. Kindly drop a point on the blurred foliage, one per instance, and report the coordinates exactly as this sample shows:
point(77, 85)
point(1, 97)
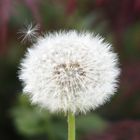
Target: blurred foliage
point(33, 122)
point(122, 130)
point(132, 41)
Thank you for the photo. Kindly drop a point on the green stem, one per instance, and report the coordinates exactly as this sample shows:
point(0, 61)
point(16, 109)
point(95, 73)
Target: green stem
point(71, 126)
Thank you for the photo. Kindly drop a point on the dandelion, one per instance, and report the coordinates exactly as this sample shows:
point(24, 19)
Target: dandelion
point(70, 72)
point(29, 33)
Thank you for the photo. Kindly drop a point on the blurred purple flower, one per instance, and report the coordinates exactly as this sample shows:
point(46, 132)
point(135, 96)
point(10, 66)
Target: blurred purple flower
point(5, 7)
point(33, 5)
point(120, 14)
point(71, 6)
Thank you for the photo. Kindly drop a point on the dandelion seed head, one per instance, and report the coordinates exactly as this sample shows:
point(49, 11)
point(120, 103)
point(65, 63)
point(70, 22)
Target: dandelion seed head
point(29, 33)
point(70, 71)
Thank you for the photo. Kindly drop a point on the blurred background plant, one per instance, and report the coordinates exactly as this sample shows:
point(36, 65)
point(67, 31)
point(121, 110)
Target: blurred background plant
point(117, 21)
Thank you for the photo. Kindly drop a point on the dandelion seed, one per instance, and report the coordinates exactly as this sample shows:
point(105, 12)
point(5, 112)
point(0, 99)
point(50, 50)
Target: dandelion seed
point(29, 33)
point(69, 71)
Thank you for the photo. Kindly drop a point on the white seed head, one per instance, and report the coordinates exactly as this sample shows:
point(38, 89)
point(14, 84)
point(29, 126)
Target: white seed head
point(70, 71)
point(29, 33)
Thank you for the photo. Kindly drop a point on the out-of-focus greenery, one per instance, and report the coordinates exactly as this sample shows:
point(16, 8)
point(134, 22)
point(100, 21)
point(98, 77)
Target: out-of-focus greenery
point(32, 122)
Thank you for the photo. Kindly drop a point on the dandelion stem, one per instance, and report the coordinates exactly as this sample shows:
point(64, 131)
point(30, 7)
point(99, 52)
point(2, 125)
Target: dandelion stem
point(71, 126)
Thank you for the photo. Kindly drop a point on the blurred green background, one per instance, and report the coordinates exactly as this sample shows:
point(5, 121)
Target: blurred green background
point(118, 21)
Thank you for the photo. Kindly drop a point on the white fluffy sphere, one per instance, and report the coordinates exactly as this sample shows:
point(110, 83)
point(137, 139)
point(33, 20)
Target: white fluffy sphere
point(70, 71)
